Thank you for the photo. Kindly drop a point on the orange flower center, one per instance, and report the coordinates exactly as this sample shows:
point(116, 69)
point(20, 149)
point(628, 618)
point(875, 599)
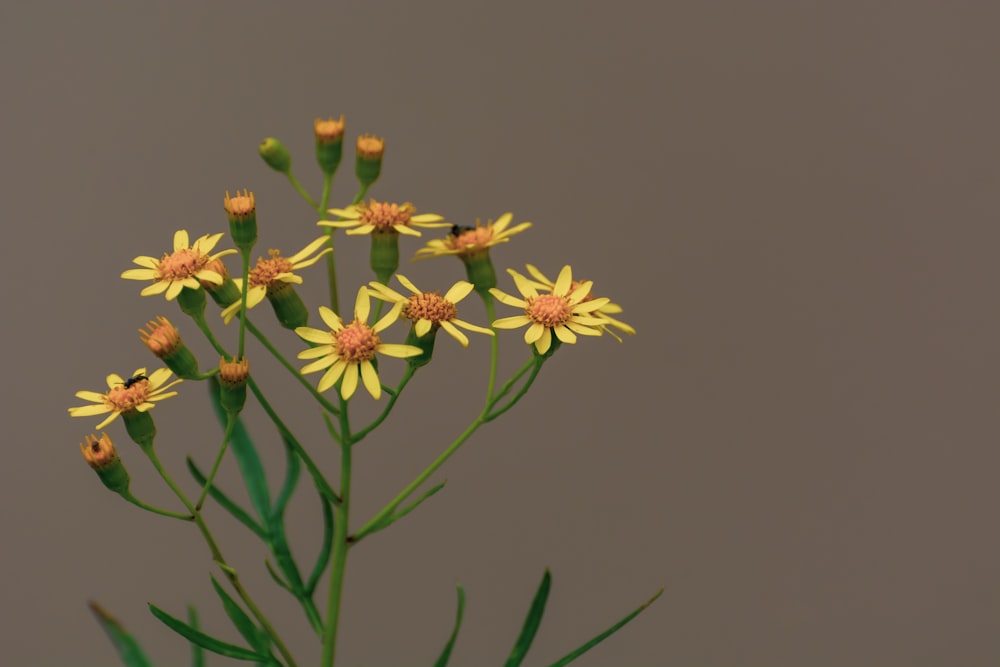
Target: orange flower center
point(181, 264)
point(384, 215)
point(162, 338)
point(267, 270)
point(329, 130)
point(356, 342)
point(240, 206)
point(549, 310)
point(123, 399)
point(471, 236)
point(429, 306)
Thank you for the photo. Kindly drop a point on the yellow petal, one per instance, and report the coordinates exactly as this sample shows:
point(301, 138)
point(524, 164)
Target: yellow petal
point(458, 291)
point(90, 396)
point(158, 377)
point(147, 261)
point(205, 244)
point(538, 275)
point(331, 319)
point(544, 343)
point(455, 333)
point(331, 376)
point(511, 322)
point(338, 223)
point(581, 291)
point(315, 352)
point(209, 276)
point(308, 250)
point(389, 317)
point(581, 329)
point(107, 421)
point(113, 380)
point(174, 289)
point(564, 281)
point(398, 351)
point(421, 327)
point(362, 305)
point(533, 333)
point(155, 288)
point(403, 229)
point(507, 299)
point(309, 262)
point(314, 335)
point(89, 410)
point(471, 327)
point(350, 382)
point(370, 378)
point(140, 274)
point(564, 334)
point(380, 291)
point(181, 240)
point(351, 212)
point(318, 365)
point(502, 222)
point(424, 218)
point(365, 228)
point(523, 285)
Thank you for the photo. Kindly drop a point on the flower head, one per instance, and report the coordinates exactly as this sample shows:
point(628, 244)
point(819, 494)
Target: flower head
point(542, 282)
point(330, 130)
point(274, 273)
point(183, 267)
point(382, 217)
point(467, 241)
point(137, 393)
point(563, 311)
point(348, 349)
point(430, 310)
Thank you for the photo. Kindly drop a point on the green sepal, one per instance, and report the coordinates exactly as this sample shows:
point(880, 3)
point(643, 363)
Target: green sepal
point(328, 155)
point(367, 170)
point(140, 427)
point(479, 269)
point(531, 623)
point(442, 660)
point(197, 652)
point(192, 301)
point(246, 457)
point(114, 476)
point(225, 294)
point(243, 230)
point(128, 648)
point(288, 306)
point(425, 343)
point(384, 257)
point(250, 632)
point(225, 502)
point(275, 155)
point(183, 363)
point(573, 655)
point(206, 641)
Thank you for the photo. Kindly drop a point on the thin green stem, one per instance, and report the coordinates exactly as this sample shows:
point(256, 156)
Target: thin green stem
point(199, 320)
point(217, 556)
point(340, 544)
point(243, 302)
point(494, 346)
point(301, 190)
point(230, 424)
point(259, 335)
point(331, 262)
point(394, 395)
point(520, 392)
point(127, 495)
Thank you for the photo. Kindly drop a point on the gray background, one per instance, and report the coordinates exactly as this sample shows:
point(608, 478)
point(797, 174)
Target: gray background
point(795, 202)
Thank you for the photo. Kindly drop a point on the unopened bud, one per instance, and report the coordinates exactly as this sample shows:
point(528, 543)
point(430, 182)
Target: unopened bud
point(288, 306)
point(100, 454)
point(329, 143)
point(242, 213)
point(233, 377)
point(368, 161)
point(275, 155)
point(225, 292)
point(163, 340)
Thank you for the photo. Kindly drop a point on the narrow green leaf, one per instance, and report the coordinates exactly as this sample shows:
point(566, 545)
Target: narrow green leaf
point(240, 620)
point(573, 655)
point(128, 648)
point(293, 470)
point(278, 540)
point(225, 502)
point(277, 577)
point(323, 557)
point(211, 643)
point(197, 652)
point(531, 623)
point(442, 660)
point(246, 456)
point(396, 516)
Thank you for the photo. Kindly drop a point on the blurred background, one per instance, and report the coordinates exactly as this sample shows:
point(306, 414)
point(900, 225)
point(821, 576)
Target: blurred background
point(794, 202)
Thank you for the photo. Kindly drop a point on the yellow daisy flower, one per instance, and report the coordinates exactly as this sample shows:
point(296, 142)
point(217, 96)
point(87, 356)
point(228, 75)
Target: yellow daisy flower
point(274, 273)
point(183, 267)
point(604, 312)
point(472, 240)
point(382, 217)
point(137, 392)
point(562, 311)
point(430, 310)
point(348, 350)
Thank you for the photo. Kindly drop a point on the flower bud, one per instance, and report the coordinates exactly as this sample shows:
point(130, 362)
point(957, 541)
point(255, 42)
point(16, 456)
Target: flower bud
point(425, 343)
point(140, 427)
point(192, 301)
point(100, 454)
point(225, 293)
point(242, 213)
point(479, 268)
point(165, 342)
point(368, 161)
point(384, 256)
point(287, 304)
point(275, 155)
point(329, 143)
point(233, 377)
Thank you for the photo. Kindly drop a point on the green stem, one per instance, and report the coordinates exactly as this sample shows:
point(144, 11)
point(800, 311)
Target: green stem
point(301, 190)
point(394, 395)
point(494, 345)
point(243, 302)
point(217, 556)
point(331, 262)
point(520, 393)
point(340, 544)
point(127, 495)
point(230, 423)
point(259, 335)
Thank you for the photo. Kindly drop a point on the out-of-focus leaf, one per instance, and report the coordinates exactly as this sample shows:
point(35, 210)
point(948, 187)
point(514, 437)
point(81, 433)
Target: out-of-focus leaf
point(246, 456)
point(201, 639)
point(442, 660)
point(197, 652)
point(225, 502)
point(128, 648)
point(531, 623)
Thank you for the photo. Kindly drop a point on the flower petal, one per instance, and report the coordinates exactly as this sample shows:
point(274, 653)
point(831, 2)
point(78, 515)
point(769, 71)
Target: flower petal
point(455, 333)
point(89, 410)
point(407, 283)
point(524, 286)
point(538, 275)
point(459, 291)
point(403, 229)
point(331, 376)
point(502, 222)
point(314, 335)
point(471, 327)
point(389, 317)
point(107, 421)
point(362, 305)
point(181, 240)
point(308, 250)
point(564, 281)
point(315, 352)
point(397, 350)
point(147, 261)
point(349, 383)
point(331, 319)
point(155, 288)
point(511, 322)
point(174, 289)
point(421, 327)
point(90, 396)
point(140, 274)
point(507, 299)
point(370, 378)
point(364, 228)
point(544, 343)
point(564, 334)
point(318, 365)
point(534, 332)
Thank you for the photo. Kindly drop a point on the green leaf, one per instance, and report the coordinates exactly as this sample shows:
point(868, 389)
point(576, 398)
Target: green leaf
point(396, 516)
point(292, 473)
point(277, 577)
point(128, 648)
point(240, 620)
point(278, 541)
point(573, 655)
point(225, 502)
point(197, 652)
point(442, 660)
point(323, 557)
point(201, 639)
point(246, 456)
point(531, 623)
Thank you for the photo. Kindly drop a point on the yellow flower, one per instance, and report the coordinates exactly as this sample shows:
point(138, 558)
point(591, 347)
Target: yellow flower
point(472, 240)
point(348, 350)
point(429, 309)
point(183, 267)
point(562, 311)
point(274, 273)
point(604, 312)
point(382, 217)
point(137, 392)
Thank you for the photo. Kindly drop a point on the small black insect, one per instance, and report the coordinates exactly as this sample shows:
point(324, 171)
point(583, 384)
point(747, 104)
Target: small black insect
point(458, 229)
point(135, 378)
